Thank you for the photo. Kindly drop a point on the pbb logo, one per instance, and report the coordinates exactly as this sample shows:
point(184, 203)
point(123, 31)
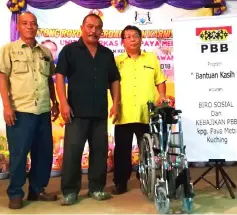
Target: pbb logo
point(214, 39)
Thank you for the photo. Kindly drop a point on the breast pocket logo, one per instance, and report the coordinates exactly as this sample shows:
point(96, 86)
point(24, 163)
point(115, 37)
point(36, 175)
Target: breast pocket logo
point(142, 18)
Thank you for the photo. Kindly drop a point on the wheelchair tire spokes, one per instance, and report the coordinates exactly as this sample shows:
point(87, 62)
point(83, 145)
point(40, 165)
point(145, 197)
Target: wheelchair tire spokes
point(147, 167)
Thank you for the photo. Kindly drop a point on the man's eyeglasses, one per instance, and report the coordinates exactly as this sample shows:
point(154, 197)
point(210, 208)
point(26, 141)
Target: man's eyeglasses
point(129, 37)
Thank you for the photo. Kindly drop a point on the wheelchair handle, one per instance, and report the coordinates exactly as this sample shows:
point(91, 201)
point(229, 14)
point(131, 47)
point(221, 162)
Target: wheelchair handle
point(150, 106)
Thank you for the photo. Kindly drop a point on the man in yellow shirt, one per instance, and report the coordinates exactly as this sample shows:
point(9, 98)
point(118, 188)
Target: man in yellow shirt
point(141, 77)
point(26, 86)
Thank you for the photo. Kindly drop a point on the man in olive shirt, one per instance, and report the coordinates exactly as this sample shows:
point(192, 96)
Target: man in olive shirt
point(26, 87)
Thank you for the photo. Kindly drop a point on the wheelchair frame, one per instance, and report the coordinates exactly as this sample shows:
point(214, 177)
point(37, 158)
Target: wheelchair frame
point(160, 168)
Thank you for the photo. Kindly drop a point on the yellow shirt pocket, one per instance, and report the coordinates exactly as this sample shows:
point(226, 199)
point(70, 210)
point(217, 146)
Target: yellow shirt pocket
point(148, 75)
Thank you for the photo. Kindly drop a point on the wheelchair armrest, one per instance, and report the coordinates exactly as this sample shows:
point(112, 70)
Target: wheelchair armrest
point(176, 112)
point(165, 109)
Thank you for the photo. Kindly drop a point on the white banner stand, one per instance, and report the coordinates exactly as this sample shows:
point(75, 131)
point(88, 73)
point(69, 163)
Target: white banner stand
point(205, 74)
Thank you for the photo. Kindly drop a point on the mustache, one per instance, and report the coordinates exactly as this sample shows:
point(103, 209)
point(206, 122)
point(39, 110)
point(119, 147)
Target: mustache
point(93, 35)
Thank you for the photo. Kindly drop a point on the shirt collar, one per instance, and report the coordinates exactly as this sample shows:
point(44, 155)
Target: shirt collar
point(23, 44)
point(125, 55)
point(81, 44)
point(38, 45)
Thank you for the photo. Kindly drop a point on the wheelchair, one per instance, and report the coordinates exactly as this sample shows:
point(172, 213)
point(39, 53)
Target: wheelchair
point(163, 166)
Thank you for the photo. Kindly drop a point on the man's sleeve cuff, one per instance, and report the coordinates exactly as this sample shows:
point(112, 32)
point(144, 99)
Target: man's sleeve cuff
point(5, 71)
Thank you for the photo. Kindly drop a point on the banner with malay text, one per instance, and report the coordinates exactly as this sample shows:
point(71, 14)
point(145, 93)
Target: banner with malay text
point(61, 26)
point(206, 84)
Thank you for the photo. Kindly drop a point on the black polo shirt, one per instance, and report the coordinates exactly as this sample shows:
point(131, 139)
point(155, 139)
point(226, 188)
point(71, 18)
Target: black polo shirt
point(88, 78)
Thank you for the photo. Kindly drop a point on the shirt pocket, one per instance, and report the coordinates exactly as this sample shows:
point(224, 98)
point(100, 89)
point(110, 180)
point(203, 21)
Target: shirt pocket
point(19, 64)
point(148, 71)
point(148, 68)
point(45, 67)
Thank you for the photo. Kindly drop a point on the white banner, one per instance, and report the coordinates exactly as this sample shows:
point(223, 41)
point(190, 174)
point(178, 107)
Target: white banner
point(205, 51)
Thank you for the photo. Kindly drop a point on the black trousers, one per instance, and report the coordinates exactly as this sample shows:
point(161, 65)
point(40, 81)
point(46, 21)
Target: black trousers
point(31, 133)
point(76, 133)
point(123, 135)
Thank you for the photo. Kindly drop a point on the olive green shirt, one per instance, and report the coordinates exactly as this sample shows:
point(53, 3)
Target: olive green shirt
point(28, 70)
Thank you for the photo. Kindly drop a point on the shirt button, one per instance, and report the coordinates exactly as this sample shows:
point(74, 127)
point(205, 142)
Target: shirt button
point(34, 70)
point(35, 79)
point(36, 89)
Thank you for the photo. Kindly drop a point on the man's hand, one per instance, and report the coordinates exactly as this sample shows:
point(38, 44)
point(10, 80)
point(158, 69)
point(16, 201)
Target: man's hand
point(9, 116)
point(8, 112)
point(66, 112)
point(161, 100)
point(55, 111)
point(114, 113)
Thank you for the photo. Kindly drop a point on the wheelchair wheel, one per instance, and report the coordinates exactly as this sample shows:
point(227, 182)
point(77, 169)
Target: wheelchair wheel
point(161, 200)
point(147, 166)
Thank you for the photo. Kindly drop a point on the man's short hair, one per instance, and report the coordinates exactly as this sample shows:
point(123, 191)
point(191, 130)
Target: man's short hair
point(92, 15)
point(26, 12)
point(131, 27)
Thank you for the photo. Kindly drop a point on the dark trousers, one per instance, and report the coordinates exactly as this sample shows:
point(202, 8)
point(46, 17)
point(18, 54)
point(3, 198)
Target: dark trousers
point(31, 133)
point(76, 133)
point(123, 135)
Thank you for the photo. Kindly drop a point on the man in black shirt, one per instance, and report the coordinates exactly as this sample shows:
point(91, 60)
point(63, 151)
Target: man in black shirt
point(90, 69)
